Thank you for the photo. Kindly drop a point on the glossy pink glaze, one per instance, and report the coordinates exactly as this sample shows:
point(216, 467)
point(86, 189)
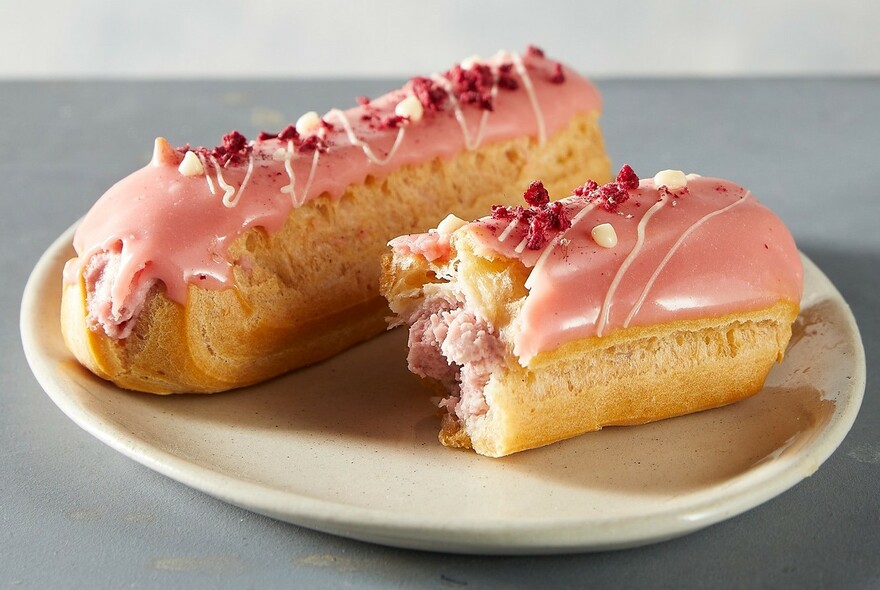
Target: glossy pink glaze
point(738, 260)
point(171, 228)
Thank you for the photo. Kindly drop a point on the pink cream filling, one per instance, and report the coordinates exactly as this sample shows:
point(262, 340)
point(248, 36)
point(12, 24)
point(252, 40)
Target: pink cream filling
point(176, 229)
point(104, 312)
point(449, 343)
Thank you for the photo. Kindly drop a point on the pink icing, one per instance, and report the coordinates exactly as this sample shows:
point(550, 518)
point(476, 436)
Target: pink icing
point(717, 249)
point(171, 228)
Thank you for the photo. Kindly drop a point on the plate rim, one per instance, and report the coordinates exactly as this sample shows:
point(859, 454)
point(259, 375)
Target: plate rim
point(416, 532)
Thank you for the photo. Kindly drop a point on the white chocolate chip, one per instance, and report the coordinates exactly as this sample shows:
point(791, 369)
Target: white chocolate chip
point(308, 123)
point(671, 179)
point(604, 235)
point(280, 155)
point(410, 108)
point(469, 62)
point(450, 224)
point(692, 176)
point(191, 165)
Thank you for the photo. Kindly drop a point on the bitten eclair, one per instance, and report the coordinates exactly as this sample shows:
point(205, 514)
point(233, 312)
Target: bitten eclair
point(621, 304)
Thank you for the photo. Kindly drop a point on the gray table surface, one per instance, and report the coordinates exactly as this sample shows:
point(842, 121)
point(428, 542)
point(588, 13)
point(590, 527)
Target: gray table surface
point(76, 513)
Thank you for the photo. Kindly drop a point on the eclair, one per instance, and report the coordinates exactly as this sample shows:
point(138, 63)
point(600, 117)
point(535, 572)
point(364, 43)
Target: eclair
point(215, 268)
point(621, 304)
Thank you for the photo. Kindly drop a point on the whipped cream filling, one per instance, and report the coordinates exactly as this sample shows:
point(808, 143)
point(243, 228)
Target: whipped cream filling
point(116, 318)
point(450, 343)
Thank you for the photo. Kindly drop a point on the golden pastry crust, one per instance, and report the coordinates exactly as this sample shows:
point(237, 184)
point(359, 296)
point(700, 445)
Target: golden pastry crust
point(311, 289)
point(635, 376)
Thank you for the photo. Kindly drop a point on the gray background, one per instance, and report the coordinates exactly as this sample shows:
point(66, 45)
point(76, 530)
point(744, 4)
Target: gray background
point(76, 513)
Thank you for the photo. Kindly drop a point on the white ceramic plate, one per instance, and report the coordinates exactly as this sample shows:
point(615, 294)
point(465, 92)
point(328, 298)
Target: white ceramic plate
point(349, 446)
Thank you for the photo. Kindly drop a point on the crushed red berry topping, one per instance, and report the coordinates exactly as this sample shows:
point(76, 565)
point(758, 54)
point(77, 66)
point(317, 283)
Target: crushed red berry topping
point(533, 51)
point(557, 218)
point(558, 76)
point(627, 178)
point(233, 148)
point(536, 195)
point(536, 237)
point(505, 77)
point(503, 212)
point(542, 216)
point(587, 188)
point(289, 133)
point(314, 142)
point(387, 122)
point(519, 213)
point(472, 86)
point(369, 111)
point(377, 120)
point(682, 192)
point(234, 142)
point(610, 196)
point(550, 217)
point(430, 94)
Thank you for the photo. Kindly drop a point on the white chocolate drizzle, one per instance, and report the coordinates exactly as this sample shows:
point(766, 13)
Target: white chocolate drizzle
point(228, 189)
point(530, 89)
point(308, 122)
point(473, 143)
point(650, 283)
point(298, 200)
point(368, 151)
point(470, 144)
point(232, 202)
point(504, 235)
point(288, 167)
point(640, 240)
point(311, 176)
point(207, 175)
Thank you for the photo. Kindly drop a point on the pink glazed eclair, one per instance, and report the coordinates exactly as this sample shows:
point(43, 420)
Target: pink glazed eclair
point(622, 304)
point(211, 269)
